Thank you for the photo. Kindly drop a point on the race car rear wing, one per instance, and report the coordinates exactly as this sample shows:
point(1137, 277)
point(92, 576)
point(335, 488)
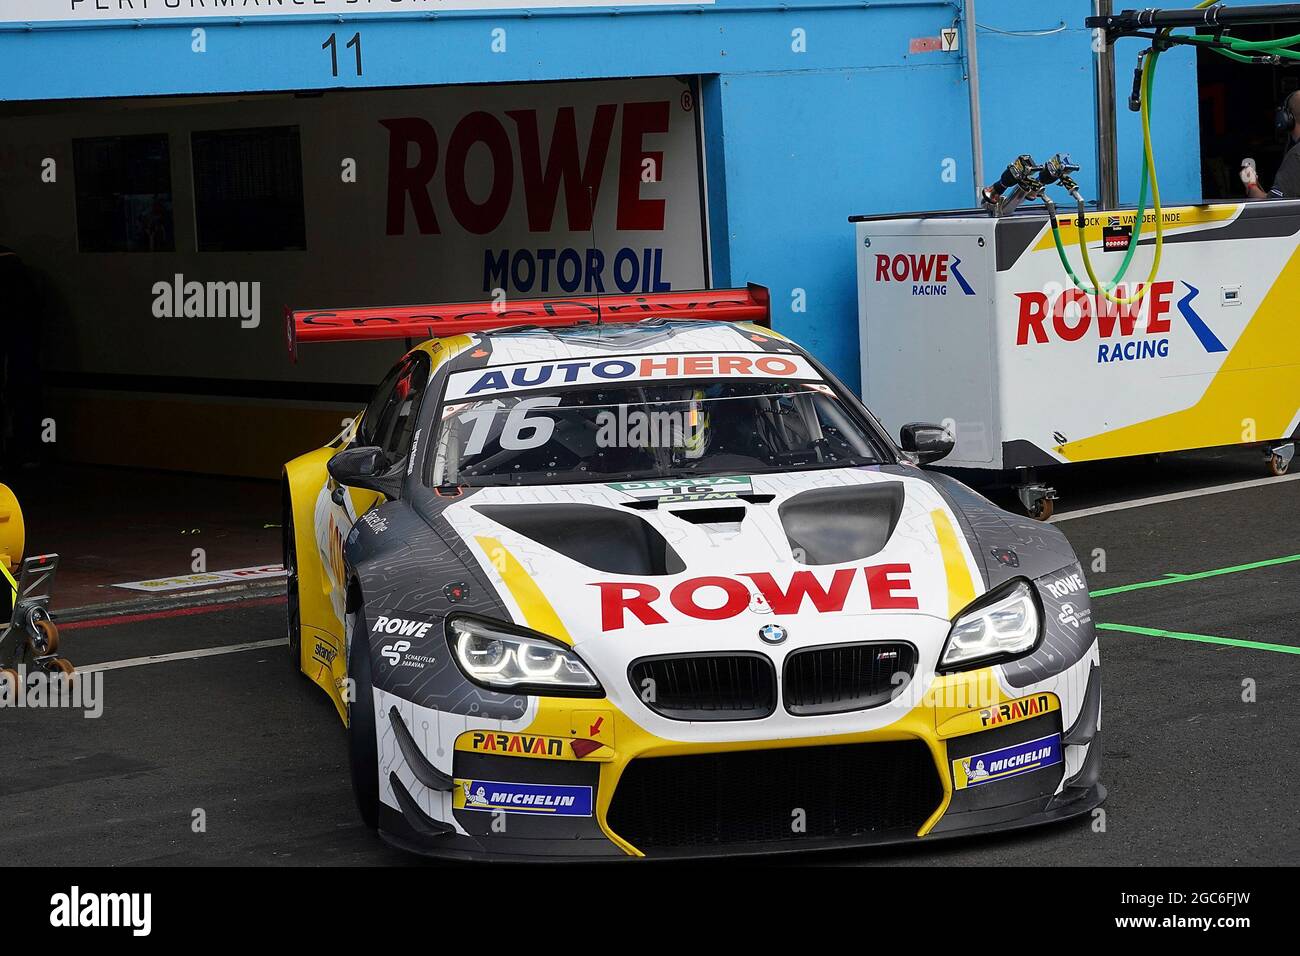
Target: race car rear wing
point(750, 304)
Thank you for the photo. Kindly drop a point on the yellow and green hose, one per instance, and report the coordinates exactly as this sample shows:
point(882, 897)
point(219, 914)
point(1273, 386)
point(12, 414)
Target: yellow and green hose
point(1148, 179)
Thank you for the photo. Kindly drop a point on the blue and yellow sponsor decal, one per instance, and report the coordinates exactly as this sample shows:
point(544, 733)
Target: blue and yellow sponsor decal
point(1006, 762)
point(541, 798)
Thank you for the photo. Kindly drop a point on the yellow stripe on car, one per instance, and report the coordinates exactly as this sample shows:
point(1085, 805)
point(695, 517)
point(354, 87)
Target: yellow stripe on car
point(961, 585)
point(533, 605)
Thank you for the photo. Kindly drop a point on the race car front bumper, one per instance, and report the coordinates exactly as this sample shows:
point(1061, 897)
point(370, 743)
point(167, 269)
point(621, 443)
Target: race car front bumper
point(584, 782)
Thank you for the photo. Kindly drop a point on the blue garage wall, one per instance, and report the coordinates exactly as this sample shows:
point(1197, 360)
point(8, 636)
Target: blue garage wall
point(1036, 94)
point(813, 110)
point(279, 53)
point(806, 150)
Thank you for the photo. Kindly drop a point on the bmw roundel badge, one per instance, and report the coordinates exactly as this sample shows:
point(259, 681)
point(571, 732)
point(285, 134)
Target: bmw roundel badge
point(772, 634)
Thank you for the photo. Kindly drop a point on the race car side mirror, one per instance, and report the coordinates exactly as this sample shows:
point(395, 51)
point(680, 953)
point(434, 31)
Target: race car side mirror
point(926, 443)
point(366, 467)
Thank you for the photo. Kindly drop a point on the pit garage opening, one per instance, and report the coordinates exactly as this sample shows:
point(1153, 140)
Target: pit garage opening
point(1237, 105)
point(163, 238)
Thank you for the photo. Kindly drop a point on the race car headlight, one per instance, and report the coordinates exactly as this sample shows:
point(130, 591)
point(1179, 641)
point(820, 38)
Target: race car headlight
point(508, 658)
point(1002, 626)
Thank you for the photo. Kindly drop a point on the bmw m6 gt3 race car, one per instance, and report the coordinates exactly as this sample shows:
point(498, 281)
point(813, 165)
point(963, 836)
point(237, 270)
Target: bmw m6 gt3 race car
point(654, 583)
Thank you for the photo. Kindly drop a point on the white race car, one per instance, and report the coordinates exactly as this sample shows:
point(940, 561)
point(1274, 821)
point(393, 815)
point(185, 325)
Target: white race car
point(656, 584)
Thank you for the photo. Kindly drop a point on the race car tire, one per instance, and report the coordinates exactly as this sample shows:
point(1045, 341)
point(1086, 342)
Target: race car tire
point(363, 749)
point(1277, 467)
point(293, 610)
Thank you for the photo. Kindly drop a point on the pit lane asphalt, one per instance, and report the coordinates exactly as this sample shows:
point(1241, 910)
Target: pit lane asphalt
point(1196, 776)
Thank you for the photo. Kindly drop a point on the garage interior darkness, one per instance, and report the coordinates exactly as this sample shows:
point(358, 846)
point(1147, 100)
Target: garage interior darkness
point(166, 236)
point(192, 223)
point(1237, 102)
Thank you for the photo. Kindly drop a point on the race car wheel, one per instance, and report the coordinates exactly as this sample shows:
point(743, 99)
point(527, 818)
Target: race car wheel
point(1278, 466)
point(363, 750)
point(293, 612)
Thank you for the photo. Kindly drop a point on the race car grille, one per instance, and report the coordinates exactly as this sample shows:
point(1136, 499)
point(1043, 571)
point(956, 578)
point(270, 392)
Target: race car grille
point(706, 686)
point(842, 677)
point(851, 793)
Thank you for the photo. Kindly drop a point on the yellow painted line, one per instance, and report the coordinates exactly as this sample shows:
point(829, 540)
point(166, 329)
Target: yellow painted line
point(537, 611)
point(961, 587)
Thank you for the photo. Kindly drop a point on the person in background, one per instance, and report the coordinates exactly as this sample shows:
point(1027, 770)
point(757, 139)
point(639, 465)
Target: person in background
point(1286, 184)
point(20, 377)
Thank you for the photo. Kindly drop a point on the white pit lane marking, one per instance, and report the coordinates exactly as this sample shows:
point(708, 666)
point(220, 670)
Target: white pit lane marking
point(182, 655)
point(1176, 496)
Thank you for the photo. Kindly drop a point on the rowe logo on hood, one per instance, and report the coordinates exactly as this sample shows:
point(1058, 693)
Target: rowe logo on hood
point(878, 587)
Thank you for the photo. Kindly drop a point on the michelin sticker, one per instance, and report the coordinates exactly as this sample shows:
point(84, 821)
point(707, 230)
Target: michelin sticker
point(492, 795)
point(1006, 762)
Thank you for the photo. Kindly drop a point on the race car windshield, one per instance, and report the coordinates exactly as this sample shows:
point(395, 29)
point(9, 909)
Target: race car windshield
point(632, 432)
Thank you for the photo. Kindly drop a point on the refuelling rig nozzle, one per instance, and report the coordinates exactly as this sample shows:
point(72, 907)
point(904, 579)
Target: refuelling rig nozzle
point(1017, 177)
point(1057, 170)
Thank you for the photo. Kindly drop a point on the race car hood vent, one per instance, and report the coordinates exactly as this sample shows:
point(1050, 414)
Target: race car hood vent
point(604, 539)
point(711, 515)
point(835, 525)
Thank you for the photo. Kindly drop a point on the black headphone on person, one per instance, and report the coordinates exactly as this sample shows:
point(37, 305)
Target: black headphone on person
point(1283, 118)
